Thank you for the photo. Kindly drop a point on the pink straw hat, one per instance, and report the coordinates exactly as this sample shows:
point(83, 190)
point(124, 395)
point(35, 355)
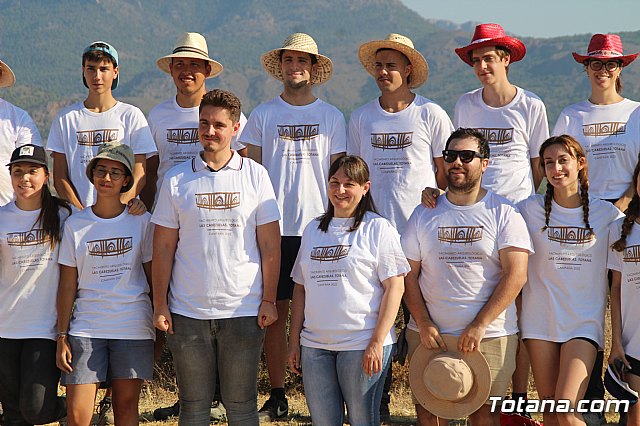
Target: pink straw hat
point(492, 35)
point(605, 46)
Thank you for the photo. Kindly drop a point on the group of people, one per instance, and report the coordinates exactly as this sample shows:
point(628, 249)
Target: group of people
point(291, 208)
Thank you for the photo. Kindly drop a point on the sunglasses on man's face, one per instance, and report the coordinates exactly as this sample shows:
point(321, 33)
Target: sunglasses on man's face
point(466, 155)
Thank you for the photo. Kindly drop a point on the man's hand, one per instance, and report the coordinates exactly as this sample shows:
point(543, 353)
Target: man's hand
point(267, 314)
point(471, 337)
point(162, 319)
point(429, 197)
point(430, 337)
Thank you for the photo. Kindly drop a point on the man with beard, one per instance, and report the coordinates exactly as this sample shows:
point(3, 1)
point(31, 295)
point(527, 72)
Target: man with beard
point(475, 245)
point(296, 137)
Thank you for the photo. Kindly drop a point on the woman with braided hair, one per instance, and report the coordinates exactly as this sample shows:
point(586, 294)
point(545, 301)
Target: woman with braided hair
point(624, 236)
point(564, 302)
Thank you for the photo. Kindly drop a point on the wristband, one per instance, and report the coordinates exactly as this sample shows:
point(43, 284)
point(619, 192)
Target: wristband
point(268, 301)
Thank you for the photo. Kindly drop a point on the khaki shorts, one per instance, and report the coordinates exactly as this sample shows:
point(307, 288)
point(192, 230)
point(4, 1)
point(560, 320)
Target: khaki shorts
point(500, 353)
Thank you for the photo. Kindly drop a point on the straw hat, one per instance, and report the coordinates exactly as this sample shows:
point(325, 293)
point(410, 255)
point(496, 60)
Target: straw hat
point(450, 384)
point(7, 77)
point(605, 46)
point(299, 42)
point(404, 45)
point(190, 45)
point(492, 35)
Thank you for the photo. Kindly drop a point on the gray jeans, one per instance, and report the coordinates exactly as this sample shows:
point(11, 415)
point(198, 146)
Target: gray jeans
point(231, 347)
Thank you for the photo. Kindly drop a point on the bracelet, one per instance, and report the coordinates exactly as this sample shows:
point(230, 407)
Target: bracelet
point(269, 301)
point(61, 335)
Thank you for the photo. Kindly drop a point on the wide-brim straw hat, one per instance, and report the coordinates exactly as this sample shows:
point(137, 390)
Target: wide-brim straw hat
point(604, 47)
point(298, 42)
point(190, 45)
point(492, 35)
point(404, 45)
point(7, 77)
point(450, 384)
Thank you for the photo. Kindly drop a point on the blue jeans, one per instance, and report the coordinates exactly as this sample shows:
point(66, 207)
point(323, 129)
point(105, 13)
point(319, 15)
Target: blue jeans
point(229, 347)
point(332, 378)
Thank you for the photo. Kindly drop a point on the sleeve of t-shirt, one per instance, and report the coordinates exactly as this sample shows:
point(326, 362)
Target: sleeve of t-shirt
point(296, 273)
point(441, 128)
point(339, 135)
point(456, 114)
point(67, 252)
point(141, 139)
point(391, 259)
point(614, 258)
point(147, 243)
point(409, 240)
point(236, 145)
point(55, 142)
point(539, 129)
point(27, 132)
point(512, 230)
point(561, 125)
point(165, 213)
point(353, 141)
point(252, 131)
point(267, 210)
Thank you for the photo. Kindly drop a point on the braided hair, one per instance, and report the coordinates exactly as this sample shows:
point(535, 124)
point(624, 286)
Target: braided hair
point(630, 214)
point(575, 150)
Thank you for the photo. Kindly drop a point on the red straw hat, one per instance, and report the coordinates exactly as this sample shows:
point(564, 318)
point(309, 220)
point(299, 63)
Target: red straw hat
point(605, 46)
point(492, 35)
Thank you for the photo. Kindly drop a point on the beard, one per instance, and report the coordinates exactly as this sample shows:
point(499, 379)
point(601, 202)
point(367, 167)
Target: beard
point(471, 181)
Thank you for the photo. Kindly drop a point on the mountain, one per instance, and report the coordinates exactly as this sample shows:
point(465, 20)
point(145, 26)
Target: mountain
point(43, 42)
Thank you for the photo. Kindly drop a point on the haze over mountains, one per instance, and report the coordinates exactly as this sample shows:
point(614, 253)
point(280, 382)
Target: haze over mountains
point(43, 43)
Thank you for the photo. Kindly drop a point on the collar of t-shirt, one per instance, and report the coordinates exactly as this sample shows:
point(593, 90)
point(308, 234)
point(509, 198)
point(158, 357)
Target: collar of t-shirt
point(235, 163)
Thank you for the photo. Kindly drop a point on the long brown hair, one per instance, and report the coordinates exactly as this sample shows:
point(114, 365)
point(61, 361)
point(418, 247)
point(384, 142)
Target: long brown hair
point(630, 214)
point(575, 150)
point(357, 170)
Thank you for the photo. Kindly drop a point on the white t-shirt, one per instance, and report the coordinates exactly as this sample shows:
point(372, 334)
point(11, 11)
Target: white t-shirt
point(297, 143)
point(217, 272)
point(399, 149)
point(458, 248)
point(16, 129)
point(78, 133)
point(627, 262)
point(28, 275)
point(175, 132)
point(342, 273)
point(610, 136)
point(515, 133)
point(566, 294)
point(113, 294)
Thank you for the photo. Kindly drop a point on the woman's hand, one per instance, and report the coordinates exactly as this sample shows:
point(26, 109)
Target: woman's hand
point(372, 358)
point(63, 355)
point(429, 196)
point(267, 314)
point(136, 207)
point(162, 319)
point(617, 353)
point(293, 359)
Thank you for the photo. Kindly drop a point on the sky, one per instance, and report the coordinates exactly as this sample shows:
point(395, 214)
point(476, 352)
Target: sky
point(538, 18)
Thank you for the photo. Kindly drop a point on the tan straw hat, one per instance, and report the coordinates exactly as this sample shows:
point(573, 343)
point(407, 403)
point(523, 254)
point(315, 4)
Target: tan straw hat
point(190, 45)
point(299, 42)
point(404, 45)
point(7, 77)
point(450, 384)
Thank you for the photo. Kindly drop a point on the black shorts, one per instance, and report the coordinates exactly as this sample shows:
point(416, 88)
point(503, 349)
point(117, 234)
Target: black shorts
point(289, 247)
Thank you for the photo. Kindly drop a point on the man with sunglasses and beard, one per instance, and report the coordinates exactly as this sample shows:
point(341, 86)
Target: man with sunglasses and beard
point(475, 245)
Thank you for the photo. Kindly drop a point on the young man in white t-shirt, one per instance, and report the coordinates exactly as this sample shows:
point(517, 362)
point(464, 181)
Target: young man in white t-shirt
point(16, 129)
point(513, 120)
point(400, 135)
point(174, 122)
point(216, 256)
point(296, 137)
point(79, 129)
point(475, 245)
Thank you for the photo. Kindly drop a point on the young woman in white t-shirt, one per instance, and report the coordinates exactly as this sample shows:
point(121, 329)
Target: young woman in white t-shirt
point(624, 262)
point(30, 233)
point(564, 301)
point(105, 331)
point(349, 278)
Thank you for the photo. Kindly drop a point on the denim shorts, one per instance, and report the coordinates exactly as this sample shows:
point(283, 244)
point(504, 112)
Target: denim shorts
point(100, 360)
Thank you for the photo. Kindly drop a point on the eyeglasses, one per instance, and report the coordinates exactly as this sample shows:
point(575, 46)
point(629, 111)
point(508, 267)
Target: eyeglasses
point(466, 155)
point(114, 174)
point(609, 65)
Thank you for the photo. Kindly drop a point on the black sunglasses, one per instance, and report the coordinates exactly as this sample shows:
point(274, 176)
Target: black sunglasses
point(466, 155)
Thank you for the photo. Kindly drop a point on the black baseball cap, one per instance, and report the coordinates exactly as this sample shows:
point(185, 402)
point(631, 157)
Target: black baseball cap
point(29, 153)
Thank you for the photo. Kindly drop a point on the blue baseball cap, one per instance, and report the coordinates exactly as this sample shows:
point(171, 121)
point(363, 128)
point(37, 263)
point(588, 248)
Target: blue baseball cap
point(105, 47)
